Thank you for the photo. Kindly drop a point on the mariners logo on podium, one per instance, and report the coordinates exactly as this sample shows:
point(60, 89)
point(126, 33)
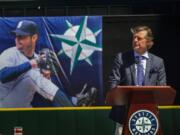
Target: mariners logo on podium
point(143, 122)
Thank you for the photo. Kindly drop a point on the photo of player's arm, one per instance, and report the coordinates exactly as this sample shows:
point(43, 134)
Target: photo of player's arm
point(23, 72)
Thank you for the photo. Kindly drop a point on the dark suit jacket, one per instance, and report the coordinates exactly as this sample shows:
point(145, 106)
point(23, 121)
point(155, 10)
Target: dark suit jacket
point(123, 73)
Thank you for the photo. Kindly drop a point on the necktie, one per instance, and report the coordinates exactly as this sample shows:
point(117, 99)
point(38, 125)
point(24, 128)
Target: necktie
point(140, 73)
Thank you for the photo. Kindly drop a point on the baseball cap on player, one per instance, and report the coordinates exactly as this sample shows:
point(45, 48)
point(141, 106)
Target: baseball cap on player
point(26, 28)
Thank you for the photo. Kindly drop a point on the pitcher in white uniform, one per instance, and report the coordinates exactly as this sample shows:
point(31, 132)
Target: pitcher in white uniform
point(20, 76)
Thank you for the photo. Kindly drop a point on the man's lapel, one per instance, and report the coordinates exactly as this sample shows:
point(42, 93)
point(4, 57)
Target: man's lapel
point(148, 67)
point(132, 67)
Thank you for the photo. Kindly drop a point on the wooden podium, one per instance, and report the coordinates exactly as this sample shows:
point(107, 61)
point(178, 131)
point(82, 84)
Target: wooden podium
point(142, 104)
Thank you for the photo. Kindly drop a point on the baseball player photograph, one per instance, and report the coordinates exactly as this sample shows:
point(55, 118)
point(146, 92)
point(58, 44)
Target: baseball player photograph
point(24, 73)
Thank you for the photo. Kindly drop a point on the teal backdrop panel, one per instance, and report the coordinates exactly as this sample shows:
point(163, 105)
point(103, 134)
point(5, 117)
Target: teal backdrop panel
point(170, 121)
point(75, 121)
point(57, 122)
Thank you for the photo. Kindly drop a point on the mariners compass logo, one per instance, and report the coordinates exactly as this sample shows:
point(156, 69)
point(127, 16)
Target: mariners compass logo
point(143, 122)
point(78, 42)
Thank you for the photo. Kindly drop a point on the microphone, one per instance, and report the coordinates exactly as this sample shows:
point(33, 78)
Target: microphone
point(137, 60)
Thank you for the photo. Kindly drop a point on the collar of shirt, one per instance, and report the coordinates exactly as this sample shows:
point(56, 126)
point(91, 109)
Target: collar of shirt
point(144, 55)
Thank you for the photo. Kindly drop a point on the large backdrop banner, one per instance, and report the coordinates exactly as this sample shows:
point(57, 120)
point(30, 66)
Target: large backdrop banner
point(77, 42)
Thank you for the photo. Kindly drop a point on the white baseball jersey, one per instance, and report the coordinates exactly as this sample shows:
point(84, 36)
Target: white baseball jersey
point(20, 91)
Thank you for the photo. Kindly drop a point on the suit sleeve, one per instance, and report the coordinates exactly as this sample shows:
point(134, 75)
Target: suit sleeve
point(115, 75)
point(161, 74)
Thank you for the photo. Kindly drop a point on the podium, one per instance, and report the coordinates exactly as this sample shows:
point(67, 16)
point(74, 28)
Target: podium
point(142, 102)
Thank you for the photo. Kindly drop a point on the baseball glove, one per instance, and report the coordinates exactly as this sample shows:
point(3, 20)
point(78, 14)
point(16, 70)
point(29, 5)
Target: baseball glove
point(47, 60)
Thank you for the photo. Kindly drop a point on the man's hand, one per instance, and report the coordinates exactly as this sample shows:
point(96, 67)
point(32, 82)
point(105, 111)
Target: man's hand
point(46, 73)
point(36, 62)
point(47, 60)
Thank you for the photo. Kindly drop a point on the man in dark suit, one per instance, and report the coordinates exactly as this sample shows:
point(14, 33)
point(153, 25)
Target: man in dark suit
point(136, 67)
